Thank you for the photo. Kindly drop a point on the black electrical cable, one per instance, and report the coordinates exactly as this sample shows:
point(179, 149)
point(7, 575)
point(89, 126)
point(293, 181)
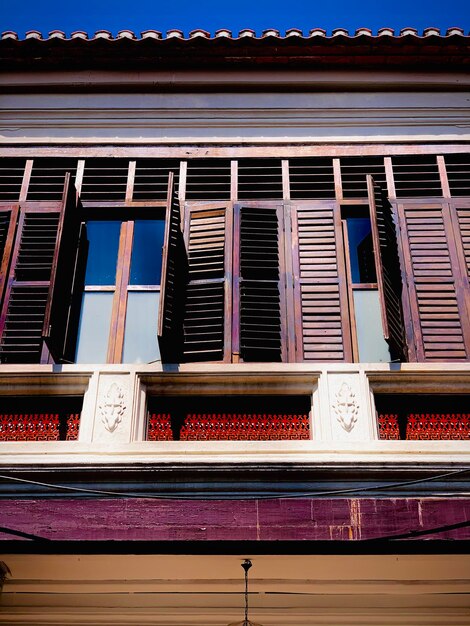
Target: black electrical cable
point(310, 494)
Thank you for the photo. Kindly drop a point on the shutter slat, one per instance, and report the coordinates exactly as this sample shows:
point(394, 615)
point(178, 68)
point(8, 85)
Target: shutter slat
point(260, 284)
point(464, 223)
point(384, 238)
point(173, 281)
point(205, 323)
point(435, 286)
point(320, 285)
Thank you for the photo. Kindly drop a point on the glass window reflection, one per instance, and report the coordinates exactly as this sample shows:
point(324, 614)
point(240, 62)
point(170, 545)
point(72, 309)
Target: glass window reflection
point(361, 250)
point(146, 263)
point(103, 246)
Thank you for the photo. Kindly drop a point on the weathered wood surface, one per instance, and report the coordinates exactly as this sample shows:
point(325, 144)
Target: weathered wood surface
point(243, 520)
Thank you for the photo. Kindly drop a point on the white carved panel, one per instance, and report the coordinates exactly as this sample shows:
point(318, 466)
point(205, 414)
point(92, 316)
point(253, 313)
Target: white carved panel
point(113, 409)
point(348, 407)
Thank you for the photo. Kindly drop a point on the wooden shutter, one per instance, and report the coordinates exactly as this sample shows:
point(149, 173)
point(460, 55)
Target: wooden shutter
point(259, 284)
point(320, 289)
point(463, 214)
point(63, 276)
point(8, 221)
point(437, 291)
point(207, 312)
point(173, 282)
point(387, 264)
point(29, 280)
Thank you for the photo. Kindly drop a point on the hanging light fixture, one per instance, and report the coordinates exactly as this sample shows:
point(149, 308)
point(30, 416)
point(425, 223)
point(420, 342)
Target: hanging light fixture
point(246, 622)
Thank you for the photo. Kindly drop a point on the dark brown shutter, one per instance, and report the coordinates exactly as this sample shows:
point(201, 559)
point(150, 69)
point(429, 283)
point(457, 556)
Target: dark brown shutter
point(437, 289)
point(320, 289)
point(259, 284)
point(8, 221)
point(63, 275)
point(387, 263)
point(173, 282)
point(29, 279)
point(207, 314)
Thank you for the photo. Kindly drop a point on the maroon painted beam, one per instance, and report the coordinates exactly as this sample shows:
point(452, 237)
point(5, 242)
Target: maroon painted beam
point(301, 519)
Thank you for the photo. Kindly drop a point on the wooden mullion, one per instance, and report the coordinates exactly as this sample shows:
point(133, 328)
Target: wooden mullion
point(79, 175)
point(182, 181)
point(126, 269)
point(443, 176)
point(337, 179)
point(130, 181)
point(352, 312)
point(392, 194)
point(285, 179)
point(26, 180)
point(117, 323)
point(233, 181)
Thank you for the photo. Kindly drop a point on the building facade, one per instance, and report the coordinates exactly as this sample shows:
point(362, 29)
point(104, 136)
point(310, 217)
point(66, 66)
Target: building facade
point(235, 322)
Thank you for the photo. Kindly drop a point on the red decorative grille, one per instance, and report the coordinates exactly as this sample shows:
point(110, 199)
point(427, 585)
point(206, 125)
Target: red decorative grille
point(159, 427)
point(426, 426)
point(388, 426)
point(73, 424)
point(37, 426)
point(438, 426)
point(231, 427)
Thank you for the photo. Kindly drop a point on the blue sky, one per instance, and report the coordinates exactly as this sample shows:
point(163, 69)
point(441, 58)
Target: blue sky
point(210, 15)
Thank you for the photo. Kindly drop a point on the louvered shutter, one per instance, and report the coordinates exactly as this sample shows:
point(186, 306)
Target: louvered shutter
point(259, 284)
point(463, 214)
point(320, 289)
point(207, 311)
point(437, 291)
point(29, 279)
point(173, 282)
point(63, 276)
point(8, 220)
point(387, 263)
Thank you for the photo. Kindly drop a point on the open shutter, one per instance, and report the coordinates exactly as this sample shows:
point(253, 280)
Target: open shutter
point(437, 289)
point(8, 220)
point(63, 276)
point(259, 284)
point(207, 315)
point(387, 263)
point(29, 280)
point(173, 282)
point(320, 289)
point(463, 214)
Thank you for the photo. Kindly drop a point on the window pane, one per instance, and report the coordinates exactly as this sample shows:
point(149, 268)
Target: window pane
point(93, 331)
point(361, 250)
point(146, 264)
point(140, 337)
point(372, 346)
point(103, 238)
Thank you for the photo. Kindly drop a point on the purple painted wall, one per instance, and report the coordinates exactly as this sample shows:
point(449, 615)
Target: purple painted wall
point(262, 520)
